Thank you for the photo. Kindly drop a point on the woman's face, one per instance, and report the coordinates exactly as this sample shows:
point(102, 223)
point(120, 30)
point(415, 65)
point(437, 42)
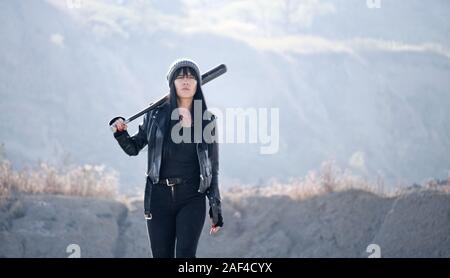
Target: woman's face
point(185, 84)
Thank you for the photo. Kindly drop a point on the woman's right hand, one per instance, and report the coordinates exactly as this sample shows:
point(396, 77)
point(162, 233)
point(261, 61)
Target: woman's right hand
point(120, 125)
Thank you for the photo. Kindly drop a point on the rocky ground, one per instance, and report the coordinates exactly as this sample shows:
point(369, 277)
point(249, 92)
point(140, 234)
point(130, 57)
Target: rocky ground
point(415, 223)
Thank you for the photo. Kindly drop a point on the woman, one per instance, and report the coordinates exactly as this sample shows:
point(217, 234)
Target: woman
point(183, 164)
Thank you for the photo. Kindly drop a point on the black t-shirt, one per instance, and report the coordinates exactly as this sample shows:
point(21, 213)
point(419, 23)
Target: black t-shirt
point(182, 161)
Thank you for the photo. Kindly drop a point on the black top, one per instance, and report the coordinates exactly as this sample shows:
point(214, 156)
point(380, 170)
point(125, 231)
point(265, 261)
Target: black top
point(182, 161)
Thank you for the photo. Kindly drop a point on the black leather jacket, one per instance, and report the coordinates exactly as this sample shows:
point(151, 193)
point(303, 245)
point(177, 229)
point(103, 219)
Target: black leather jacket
point(151, 132)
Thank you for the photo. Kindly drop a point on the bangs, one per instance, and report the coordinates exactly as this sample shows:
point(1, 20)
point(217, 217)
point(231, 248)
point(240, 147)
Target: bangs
point(185, 71)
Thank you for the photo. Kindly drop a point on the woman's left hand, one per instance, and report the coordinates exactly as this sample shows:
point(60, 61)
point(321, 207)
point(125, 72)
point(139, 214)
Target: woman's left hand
point(216, 227)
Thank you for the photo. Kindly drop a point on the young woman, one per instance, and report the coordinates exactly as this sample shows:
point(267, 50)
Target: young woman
point(183, 164)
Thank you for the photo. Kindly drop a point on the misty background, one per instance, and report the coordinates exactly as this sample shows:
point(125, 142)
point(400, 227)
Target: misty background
point(366, 87)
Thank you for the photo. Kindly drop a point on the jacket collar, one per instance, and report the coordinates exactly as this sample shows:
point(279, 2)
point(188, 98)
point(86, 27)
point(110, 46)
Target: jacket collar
point(162, 112)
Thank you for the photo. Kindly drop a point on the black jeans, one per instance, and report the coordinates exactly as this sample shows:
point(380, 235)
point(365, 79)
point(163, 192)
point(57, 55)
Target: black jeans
point(177, 219)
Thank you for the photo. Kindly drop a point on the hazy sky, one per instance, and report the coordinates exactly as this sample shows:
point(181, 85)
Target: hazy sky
point(284, 27)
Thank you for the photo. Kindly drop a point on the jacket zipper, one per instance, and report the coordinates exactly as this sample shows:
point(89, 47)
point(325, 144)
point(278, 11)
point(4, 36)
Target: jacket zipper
point(201, 167)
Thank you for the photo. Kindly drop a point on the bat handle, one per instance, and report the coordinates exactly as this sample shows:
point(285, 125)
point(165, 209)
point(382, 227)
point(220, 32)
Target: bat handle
point(112, 126)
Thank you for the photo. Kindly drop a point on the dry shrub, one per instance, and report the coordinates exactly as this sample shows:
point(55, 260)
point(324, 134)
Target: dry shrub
point(330, 178)
point(86, 180)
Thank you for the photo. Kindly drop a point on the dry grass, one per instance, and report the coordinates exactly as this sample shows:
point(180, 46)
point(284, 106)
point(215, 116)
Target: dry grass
point(330, 178)
point(87, 180)
point(440, 185)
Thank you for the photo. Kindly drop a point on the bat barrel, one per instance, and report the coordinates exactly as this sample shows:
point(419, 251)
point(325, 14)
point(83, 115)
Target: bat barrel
point(206, 77)
point(213, 73)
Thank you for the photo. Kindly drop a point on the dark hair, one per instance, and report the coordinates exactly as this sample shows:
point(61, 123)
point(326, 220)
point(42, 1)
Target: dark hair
point(174, 105)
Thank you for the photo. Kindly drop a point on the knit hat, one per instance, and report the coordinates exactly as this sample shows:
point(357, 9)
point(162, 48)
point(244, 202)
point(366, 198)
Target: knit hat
point(180, 63)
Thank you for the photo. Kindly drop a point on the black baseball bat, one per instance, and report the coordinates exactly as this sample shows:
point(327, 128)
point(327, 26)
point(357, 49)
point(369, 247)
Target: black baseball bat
point(206, 77)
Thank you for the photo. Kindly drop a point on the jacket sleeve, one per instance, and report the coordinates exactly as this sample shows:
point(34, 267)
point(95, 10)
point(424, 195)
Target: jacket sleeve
point(213, 192)
point(132, 145)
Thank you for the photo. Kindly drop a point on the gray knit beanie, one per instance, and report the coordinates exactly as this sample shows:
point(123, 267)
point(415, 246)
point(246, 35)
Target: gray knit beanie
point(180, 63)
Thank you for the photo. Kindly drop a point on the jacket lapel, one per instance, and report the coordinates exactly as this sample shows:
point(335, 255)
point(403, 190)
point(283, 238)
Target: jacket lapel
point(160, 117)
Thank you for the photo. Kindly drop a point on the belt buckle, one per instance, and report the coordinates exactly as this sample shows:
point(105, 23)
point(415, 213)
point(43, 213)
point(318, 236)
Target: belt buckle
point(169, 184)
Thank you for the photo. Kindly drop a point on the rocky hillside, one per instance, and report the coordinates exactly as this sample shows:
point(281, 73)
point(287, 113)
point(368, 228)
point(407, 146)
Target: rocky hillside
point(415, 223)
point(370, 92)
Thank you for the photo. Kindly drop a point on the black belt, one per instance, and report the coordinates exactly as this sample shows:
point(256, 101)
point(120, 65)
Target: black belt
point(171, 181)
point(168, 182)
